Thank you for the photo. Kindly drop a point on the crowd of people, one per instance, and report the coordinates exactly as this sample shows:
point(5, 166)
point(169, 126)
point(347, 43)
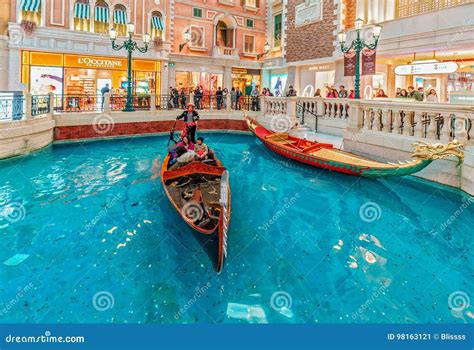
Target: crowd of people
point(419, 94)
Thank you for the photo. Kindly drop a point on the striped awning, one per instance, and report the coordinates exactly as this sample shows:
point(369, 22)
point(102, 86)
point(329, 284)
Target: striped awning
point(157, 23)
point(81, 10)
point(120, 17)
point(30, 5)
point(102, 14)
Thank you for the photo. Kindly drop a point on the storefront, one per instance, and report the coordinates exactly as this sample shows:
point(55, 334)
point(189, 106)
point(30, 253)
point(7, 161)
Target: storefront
point(80, 75)
point(317, 76)
point(188, 81)
point(246, 79)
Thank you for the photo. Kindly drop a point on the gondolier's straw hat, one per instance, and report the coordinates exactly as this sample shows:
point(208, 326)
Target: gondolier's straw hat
point(191, 104)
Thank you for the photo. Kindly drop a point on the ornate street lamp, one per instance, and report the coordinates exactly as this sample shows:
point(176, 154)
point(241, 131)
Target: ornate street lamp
point(266, 49)
point(187, 39)
point(130, 45)
point(358, 45)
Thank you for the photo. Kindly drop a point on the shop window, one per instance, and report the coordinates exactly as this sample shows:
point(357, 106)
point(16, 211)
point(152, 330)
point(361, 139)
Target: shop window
point(251, 4)
point(157, 25)
point(81, 15)
point(249, 23)
point(31, 11)
point(197, 12)
point(101, 17)
point(120, 20)
point(197, 36)
point(277, 30)
point(249, 44)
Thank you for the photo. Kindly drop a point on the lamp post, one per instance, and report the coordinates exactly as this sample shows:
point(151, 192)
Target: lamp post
point(130, 45)
point(266, 49)
point(358, 45)
point(187, 39)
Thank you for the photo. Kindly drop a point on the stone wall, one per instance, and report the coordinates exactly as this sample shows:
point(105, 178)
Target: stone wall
point(313, 40)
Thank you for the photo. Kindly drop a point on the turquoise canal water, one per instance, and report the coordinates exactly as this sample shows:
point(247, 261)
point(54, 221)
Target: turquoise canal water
point(87, 235)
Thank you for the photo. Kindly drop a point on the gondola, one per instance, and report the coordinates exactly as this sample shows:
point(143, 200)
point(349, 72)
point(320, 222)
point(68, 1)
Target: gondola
point(200, 193)
point(324, 155)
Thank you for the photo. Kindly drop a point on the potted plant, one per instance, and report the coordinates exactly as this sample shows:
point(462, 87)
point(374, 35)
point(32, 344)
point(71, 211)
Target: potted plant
point(28, 26)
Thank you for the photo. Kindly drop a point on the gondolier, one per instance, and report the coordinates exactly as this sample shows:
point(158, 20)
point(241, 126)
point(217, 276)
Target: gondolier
point(190, 117)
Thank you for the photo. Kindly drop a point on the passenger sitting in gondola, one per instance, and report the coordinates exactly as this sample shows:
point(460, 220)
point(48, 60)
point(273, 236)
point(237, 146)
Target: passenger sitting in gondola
point(180, 148)
point(190, 117)
point(201, 149)
point(186, 158)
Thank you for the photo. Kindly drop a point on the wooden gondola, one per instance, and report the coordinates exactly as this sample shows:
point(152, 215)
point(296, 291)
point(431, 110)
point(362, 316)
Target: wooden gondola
point(200, 193)
point(324, 155)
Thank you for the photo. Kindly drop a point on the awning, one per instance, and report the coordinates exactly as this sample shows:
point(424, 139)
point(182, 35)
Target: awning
point(30, 5)
point(102, 14)
point(157, 23)
point(120, 17)
point(81, 10)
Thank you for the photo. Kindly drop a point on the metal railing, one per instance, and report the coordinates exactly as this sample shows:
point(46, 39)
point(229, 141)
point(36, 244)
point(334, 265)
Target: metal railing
point(78, 103)
point(40, 105)
point(12, 107)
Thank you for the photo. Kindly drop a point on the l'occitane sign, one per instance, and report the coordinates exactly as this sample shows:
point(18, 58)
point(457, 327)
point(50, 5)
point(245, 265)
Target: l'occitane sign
point(94, 62)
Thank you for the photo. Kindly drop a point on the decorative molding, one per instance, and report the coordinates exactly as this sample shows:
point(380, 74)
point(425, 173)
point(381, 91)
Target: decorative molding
point(239, 20)
point(51, 13)
point(211, 14)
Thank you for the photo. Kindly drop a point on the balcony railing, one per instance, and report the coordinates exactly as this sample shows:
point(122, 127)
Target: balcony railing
point(225, 52)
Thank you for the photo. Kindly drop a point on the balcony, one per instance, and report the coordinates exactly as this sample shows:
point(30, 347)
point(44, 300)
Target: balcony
point(227, 2)
point(251, 5)
point(225, 52)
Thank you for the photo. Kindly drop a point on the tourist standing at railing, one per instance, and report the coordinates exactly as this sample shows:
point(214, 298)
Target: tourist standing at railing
point(415, 94)
point(342, 92)
point(291, 92)
point(352, 94)
point(380, 93)
point(432, 96)
point(182, 99)
point(332, 93)
point(403, 94)
point(219, 97)
point(238, 99)
point(175, 95)
point(398, 93)
point(317, 93)
point(254, 95)
point(225, 92)
point(103, 91)
point(233, 98)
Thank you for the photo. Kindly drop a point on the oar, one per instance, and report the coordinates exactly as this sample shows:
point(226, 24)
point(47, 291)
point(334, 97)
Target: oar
point(172, 132)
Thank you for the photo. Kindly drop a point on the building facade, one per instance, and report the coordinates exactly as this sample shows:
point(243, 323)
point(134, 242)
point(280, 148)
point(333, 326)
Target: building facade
point(217, 43)
point(63, 45)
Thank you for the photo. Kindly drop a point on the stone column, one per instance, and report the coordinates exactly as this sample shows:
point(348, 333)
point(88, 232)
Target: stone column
point(51, 103)
point(152, 102)
point(227, 78)
point(228, 102)
point(28, 103)
point(107, 102)
point(167, 76)
point(291, 109)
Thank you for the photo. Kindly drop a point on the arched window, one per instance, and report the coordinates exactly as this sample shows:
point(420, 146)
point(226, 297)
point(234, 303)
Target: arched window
point(224, 34)
point(101, 17)
point(82, 18)
point(120, 20)
point(157, 25)
point(31, 11)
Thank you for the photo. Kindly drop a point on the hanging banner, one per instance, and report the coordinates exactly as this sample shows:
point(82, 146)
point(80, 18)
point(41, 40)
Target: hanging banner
point(349, 64)
point(368, 61)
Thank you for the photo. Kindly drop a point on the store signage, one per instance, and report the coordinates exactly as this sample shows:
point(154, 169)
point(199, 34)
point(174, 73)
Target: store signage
point(308, 12)
point(322, 67)
point(94, 62)
point(368, 62)
point(349, 64)
point(427, 68)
